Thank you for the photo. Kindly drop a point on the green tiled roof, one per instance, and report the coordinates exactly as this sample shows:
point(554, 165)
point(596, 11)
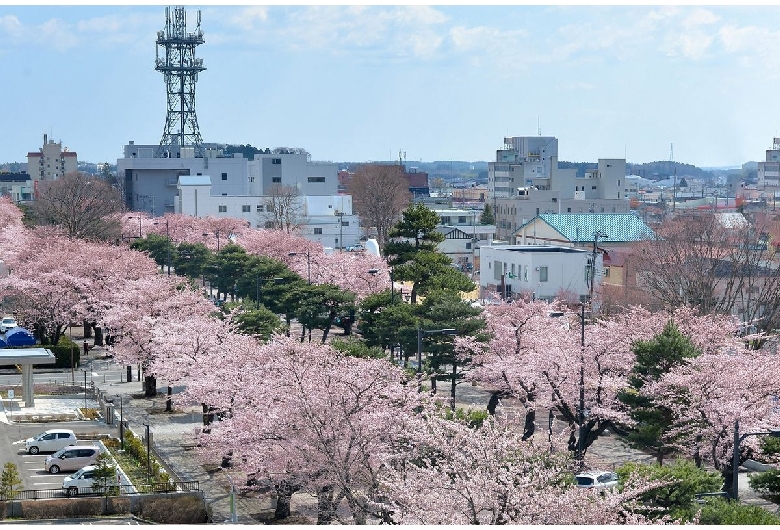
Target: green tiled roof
point(614, 227)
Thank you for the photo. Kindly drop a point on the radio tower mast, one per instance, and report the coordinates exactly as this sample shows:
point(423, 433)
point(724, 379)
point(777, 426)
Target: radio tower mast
point(180, 69)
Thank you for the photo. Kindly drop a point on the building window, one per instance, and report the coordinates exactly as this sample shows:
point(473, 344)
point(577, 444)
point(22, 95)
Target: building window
point(224, 176)
point(246, 208)
point(606, 272)
point(251, 179)
point(542, 274)
point(344, 223)
point(316, 179)
point(462, 220)
point(259, 207)
point(445, 220)
point(276, 180)
point(468, 246)
point(276, 160)
point(222, 208)
point(593, 187)
point(318, 231)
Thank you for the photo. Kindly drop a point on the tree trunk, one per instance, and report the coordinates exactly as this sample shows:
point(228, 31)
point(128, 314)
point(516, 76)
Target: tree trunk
point(150, 386)
point(98, 336)
point(326, 511)
point(87, 330)
point(530, 425)
point(284, 493)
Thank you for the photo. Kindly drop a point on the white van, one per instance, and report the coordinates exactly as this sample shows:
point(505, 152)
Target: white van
point(71, 458)
point(82, 481)
point(50, 441)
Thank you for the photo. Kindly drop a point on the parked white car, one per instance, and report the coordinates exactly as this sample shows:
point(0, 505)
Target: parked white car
point(50, 441)
point(82, 481)
point(596, 479)
point(7, 323)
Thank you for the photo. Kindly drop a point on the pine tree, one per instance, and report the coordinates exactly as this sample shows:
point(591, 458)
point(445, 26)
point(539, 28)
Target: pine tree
point(487, 217)
point(10, 481)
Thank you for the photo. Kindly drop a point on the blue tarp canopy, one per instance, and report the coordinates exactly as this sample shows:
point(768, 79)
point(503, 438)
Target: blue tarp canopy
point(3, 343)
point(19, 337)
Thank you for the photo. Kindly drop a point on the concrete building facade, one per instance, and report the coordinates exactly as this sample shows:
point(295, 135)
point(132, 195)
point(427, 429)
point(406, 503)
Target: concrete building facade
point(769, 169)
point(327, 219)
point(50, 162)
point(513, 271)
point(150, 183)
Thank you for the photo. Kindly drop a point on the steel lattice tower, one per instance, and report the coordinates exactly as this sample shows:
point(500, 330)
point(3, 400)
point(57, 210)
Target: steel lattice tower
point(180, 69)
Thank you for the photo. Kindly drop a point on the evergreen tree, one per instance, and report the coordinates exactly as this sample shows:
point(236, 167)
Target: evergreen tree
point(654, 358)
point(10, 481)
point(105, 476)
point(487, 217)
point(412, 253)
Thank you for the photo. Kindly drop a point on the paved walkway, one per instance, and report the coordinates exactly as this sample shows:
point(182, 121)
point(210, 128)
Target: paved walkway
point(173, 436)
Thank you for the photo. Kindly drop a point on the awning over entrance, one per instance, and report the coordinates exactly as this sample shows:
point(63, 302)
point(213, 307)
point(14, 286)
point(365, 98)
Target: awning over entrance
point(27, 357)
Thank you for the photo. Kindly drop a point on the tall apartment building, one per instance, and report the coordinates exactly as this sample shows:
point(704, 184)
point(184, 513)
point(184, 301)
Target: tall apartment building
point(769, 169)
point(525, 181)
point(50, 162)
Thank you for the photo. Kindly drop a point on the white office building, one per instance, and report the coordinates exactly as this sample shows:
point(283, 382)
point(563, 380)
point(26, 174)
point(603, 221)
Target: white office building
point(540, 272)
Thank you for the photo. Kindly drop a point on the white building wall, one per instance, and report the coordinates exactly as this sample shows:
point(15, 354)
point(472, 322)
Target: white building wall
point(523, 270)
point(318, 221)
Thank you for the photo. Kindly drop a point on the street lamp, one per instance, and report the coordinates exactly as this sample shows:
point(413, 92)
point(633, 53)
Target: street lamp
point(581, 411)
point(774, 433)
point(168, 246)
point(424, 333)
point(148, 453)
point(264, 280)
point(216, 233)
point(308, 261)
point(139, 223)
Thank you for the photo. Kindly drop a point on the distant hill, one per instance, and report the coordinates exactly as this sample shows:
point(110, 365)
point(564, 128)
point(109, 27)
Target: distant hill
point(649, 170)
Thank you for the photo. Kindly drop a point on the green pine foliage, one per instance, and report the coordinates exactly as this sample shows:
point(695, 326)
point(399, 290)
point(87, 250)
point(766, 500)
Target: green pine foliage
point(676, 499)
point(654, 358)
point(105, 477)
point(723, 512)
point(10, 481)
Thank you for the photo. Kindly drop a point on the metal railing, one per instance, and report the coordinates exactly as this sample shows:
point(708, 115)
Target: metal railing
point(160, 487)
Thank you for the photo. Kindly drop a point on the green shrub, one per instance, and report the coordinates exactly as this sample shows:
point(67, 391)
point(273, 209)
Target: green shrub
point(677, 499)
point(722, 512)
point(62, 353)
point(766, 483)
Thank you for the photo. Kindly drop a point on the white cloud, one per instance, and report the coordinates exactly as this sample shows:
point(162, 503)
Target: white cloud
point(10, 24)
point(56, 34)
point(246, 18)
point(692, 44)
point(700, 17)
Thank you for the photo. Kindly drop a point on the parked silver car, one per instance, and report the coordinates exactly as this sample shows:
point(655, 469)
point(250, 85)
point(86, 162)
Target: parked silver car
point(596, 479)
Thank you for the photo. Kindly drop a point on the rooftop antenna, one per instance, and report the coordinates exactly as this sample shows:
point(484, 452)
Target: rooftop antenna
point(180, 69)
point(538, 126)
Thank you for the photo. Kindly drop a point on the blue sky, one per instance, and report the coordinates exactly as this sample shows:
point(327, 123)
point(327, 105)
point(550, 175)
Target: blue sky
point(352, 83)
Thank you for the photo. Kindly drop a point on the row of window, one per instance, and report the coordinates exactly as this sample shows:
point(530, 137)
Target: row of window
point(277, 180)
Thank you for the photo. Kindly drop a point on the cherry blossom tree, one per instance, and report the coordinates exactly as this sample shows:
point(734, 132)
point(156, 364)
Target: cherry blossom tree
point(314, 418)
point(709, 393)
point(454, 474)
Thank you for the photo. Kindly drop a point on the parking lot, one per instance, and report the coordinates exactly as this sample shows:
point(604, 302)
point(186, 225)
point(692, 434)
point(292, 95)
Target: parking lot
point(31, 467)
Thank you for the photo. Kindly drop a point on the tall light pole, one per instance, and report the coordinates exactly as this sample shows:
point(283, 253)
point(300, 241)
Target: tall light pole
point(424, 333)
point(308, 261)
point(216, 233)
point(168, 246)
point(581, 411)
point(139, 223)
point(340, 215)
point(774, 433)
point(148, 453)
point(264, 280)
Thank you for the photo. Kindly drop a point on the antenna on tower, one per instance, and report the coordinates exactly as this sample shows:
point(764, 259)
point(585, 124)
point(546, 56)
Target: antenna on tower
point(180, 69)
point(538, 126)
